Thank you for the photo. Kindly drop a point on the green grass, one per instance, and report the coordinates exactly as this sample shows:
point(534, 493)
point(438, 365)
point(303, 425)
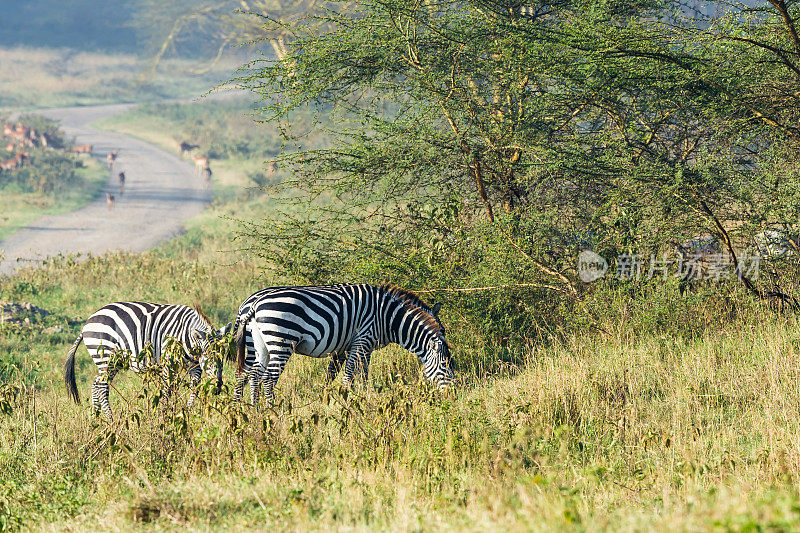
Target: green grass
point(20, 208)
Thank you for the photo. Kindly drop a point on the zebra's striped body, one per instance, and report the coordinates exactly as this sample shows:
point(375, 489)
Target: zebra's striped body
point(348, 321)
point(127, 329)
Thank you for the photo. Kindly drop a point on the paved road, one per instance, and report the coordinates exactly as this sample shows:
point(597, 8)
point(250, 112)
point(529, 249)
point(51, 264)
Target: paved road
point(161, 191)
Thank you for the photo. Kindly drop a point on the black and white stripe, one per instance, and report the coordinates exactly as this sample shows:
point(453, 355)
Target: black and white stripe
point(127, 329)
point(347, 321)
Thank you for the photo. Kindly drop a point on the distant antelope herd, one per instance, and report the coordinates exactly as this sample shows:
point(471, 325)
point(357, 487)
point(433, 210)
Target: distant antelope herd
point(18, 138)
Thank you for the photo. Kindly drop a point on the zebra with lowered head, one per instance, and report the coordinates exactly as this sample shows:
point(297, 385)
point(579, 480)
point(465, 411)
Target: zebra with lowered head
point(348, 321)
point(127, 329)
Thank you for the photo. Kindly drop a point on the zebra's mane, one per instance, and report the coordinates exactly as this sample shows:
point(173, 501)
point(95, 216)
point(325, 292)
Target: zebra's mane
point(414, 304)
point(205, 318)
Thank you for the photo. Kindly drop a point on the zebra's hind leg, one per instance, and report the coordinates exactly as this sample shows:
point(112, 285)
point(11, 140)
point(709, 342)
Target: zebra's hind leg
point(255, 378)
point(279, 354)
point(100, 388)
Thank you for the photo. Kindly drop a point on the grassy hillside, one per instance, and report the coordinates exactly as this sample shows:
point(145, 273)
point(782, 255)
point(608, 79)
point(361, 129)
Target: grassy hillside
point(40, 78)
point(637, 428)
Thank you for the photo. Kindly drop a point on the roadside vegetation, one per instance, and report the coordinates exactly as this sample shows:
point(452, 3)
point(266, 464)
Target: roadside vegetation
point(632, 430)
point(45, 179)
point(241, 151)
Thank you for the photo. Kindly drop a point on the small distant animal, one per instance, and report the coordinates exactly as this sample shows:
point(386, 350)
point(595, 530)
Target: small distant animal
point(200, 161)
point(206, 177)
point(121, 177)
point(187, 147)
point(111, 158)
point(272, 167)
point(82, 149)
point(110, 201)
point(201, 164)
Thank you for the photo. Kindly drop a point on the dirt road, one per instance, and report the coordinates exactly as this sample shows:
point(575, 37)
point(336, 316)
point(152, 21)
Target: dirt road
point(161, 191)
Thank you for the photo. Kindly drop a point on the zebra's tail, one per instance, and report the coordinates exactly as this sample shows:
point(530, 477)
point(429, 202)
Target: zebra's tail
point(241, 349)
point(69, 370)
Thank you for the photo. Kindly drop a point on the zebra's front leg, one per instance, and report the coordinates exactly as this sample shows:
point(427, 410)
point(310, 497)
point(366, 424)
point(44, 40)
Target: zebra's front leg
point(195, 374)
point(166, 375)
point(336, 364)
point(357, 363)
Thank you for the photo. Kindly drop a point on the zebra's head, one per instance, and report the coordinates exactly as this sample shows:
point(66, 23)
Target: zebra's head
point(437, 363)
point(415, 326)
point(210, 361)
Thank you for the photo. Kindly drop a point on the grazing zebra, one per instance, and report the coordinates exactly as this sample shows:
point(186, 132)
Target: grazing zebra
point(128, 328)
point(348, 321)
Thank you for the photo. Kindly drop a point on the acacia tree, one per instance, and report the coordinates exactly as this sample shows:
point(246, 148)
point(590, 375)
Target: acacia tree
point(481, 143)
point(189, 27)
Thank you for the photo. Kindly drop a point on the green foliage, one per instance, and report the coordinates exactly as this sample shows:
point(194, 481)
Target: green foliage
point(9, 387)
point(483, 145)
point(48, 173)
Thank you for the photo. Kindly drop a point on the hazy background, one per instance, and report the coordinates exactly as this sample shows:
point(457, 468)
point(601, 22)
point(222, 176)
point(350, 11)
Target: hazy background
point(86, 24)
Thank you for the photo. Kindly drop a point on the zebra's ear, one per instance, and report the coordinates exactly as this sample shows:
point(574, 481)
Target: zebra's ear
point(435, 309)
point(198, 335)
point(226, 329)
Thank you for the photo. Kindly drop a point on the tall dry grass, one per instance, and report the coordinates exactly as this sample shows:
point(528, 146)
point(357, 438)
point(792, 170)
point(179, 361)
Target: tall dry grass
point(622, 432)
